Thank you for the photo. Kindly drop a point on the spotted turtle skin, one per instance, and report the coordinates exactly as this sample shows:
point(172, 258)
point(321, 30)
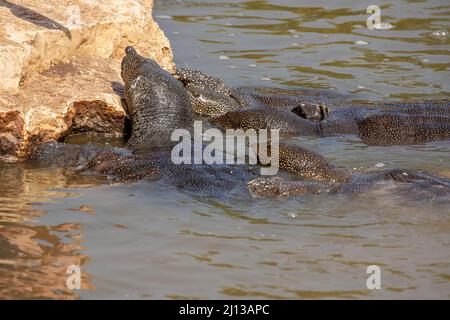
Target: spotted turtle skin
point(159, 103)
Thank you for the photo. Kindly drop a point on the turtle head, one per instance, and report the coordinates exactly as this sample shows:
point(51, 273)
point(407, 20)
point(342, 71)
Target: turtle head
point(157, 103)
point(209, 102)
point(209, 95)
point(196, 78)
point(132, 62)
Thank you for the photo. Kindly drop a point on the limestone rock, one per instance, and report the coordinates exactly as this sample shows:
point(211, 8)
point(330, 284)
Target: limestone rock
point(60, 66)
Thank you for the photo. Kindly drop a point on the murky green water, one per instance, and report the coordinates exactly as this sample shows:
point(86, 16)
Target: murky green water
point(148, 240)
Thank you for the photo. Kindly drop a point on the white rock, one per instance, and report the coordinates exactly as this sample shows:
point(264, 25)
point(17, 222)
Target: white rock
point(62, 71)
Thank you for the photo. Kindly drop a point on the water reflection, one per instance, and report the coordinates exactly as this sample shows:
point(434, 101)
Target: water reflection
point(34, 257)
point(320, 45)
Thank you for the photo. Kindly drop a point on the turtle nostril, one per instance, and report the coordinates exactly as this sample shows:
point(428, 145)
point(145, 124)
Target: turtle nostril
point(130, 50)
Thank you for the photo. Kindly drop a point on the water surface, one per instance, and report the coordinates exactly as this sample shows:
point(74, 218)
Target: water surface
point(149, 240)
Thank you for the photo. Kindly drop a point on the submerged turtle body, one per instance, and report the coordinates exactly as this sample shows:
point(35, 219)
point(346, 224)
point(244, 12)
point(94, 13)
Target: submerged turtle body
point(158, 104)
point(375, 124)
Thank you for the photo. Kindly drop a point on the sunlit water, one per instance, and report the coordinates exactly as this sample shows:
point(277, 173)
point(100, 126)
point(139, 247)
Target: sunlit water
point(149, 240)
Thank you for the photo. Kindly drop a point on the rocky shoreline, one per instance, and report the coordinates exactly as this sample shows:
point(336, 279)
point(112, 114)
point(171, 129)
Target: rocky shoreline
point(61, 67)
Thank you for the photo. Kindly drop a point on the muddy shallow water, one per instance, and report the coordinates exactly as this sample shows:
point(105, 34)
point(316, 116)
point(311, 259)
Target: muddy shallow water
point(149, 240)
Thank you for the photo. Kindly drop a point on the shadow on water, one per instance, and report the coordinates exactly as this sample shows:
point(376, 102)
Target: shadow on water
point(34, 17)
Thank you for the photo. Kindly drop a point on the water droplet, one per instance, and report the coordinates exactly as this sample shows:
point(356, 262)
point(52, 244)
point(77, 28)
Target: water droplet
point(266, 79)
point(383, 26)
point(379, 165)
point(440, 34)
point(252, 65)
point(223, 58)
point(361, 42)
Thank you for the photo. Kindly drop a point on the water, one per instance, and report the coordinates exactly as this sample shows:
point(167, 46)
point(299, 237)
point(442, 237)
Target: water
point(148, 240)
point(325, 44)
